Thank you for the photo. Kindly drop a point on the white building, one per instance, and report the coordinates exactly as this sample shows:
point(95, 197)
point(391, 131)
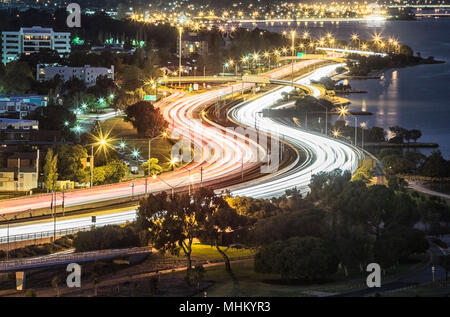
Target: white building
point(18, 179)
point(20, 105)
point(87, 73)
point(31, 40)
point(18, 124)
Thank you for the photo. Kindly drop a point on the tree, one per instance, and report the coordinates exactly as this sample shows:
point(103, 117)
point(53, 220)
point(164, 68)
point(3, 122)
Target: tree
point(306, 258)
point(151, 167)
point(70, 166)
point(326, 186)
point(399, 133)
point(222, 227)
point(298, 223)
point(444, 261)
point(147, 119)
point(107, 237)
point(415, 134)
point(17, 79)
point(376, 134)
point(115, 171)
point(171, 223)
point(363, 174)
point(435, 166)
point(54, 117)
point(50, 170)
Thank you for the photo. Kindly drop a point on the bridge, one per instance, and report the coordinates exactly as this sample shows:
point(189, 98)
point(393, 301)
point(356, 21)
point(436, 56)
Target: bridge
point(66, 258)
point(256, 79)
point(349, 51)
point(421, 6)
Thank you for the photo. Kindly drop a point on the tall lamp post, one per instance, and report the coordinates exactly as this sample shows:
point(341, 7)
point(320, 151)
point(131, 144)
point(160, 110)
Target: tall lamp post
point(163, 135)
point(343, 111)
point(363, 126)
point(180, 32)
point(102, 142)
point(292, 51)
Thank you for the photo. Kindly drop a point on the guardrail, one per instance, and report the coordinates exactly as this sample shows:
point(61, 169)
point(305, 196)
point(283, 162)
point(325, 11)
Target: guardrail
point(57, 259)
point(42, 234)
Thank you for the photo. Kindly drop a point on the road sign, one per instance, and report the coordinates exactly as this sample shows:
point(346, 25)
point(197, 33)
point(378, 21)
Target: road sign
point(150, 98)
point(132, 185)
point(300, 54)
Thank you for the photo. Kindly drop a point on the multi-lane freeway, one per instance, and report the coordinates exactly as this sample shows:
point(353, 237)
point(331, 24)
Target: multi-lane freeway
point(322, 153)
point(224, 155)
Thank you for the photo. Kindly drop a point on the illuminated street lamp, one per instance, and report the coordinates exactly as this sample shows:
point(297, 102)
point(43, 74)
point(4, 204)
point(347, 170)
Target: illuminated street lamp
point(306, 35)
point(336, 133)
point(355, 37)
point(102, 143)
point(343, 111)
point(363, 126)
point(292, 52)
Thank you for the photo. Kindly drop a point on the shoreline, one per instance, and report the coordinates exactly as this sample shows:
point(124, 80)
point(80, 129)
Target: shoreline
point(402, 145)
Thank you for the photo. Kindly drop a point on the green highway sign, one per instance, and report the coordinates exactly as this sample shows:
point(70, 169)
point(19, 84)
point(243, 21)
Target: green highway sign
point(150, 98)
point(300, 54)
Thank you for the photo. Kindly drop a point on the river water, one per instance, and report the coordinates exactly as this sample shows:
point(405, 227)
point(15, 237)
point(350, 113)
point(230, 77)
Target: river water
point(416, 97)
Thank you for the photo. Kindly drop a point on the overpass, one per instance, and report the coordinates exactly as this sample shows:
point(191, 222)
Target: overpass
point(349, 51)
point(421, 6)
point(255, 79)
point(66, 258)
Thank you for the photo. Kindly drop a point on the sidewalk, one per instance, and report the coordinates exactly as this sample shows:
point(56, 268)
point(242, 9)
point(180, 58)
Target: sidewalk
point(418, 186)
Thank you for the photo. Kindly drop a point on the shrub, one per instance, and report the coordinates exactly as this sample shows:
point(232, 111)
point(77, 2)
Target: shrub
point(107, 237)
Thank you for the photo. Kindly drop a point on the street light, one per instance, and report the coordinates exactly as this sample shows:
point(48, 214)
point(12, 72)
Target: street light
point(292, 52)
point(343, 111)
point(180, 32)
point(355, 37)
point(336, 133)
point(102, 143)
point(363, 126)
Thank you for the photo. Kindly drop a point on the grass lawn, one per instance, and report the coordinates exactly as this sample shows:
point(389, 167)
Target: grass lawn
point(123, 130)
point(250, 283)
point(203, 252)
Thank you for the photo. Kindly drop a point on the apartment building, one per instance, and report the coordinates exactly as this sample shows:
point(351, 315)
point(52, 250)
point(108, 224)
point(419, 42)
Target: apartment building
point(32, 40)
point(87, 73)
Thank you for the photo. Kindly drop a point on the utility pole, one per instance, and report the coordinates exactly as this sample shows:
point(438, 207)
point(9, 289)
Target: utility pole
point(201, 176)
point(242, 168)
point(37, 168)
point(62, 204)
point(91, 164)
point(54, 216)
point(179, 58)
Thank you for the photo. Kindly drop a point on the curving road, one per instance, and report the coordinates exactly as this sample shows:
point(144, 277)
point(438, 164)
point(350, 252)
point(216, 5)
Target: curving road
point(181, 110)
point(322, 153)
point(224, 154)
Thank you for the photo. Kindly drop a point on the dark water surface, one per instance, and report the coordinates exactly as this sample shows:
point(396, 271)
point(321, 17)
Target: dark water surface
point(416, 97)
